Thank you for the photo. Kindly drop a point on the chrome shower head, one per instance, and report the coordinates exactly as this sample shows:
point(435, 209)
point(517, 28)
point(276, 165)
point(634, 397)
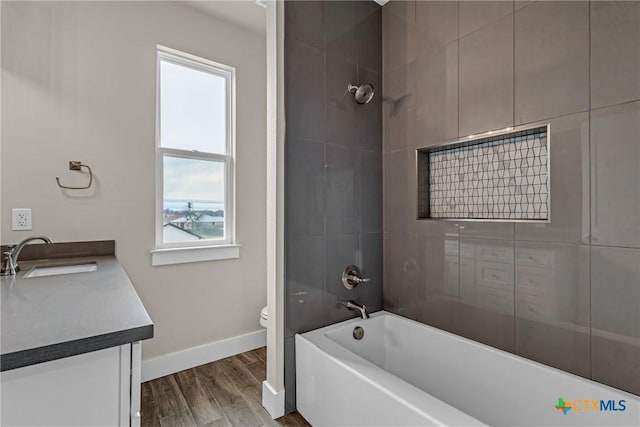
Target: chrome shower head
point(363, 93)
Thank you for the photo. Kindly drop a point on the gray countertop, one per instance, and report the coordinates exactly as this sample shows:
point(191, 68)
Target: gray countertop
point(47, 318)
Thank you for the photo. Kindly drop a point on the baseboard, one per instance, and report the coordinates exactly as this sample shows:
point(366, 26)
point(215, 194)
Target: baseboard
point(160, 366)
point(272, 401)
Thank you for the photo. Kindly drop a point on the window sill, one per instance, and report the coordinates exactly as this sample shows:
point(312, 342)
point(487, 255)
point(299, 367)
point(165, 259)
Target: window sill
point(168, 256)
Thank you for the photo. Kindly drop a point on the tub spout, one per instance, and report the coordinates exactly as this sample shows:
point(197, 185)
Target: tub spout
point(352, 305)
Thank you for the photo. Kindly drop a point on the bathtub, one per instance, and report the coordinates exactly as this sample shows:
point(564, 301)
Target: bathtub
point(404, 373)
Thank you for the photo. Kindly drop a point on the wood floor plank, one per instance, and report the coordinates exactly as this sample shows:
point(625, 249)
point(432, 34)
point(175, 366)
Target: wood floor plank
point(262, 353)
point(227, 395)
point(222, 422)
point(258, 370)
point(168, 397)
point(203, 406)
point(300, 419)
point(248, 386)
point(237, 373)
point(253, 396)
point(247, 357)
point(148, 413)
point(287, 421)
point(294, 419)
point(180, 419)
point(258, 353)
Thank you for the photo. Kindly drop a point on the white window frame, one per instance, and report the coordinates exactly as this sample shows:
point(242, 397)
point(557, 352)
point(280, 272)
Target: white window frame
point(210, 249)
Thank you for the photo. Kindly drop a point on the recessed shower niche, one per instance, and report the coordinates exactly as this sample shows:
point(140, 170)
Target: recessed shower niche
point(500, 176)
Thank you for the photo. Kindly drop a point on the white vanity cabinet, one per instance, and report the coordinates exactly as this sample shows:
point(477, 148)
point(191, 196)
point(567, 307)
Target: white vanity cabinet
point(99, 388)
point(70, 343)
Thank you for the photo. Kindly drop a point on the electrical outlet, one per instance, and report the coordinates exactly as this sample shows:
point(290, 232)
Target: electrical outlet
point(21, 219)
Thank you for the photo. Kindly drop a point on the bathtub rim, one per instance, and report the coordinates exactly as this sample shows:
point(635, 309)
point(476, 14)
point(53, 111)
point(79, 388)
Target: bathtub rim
point(417, 399)
point(320, 334)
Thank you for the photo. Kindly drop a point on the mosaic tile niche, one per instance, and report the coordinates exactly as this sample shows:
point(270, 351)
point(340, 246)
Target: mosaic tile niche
point(503, 177)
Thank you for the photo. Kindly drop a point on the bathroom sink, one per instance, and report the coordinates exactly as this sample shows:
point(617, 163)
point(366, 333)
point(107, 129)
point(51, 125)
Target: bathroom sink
point(55, 270)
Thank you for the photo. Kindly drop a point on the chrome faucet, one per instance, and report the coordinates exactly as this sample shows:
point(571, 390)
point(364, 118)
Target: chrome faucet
point(352, 305)
point(10, 267)
point(351, 277)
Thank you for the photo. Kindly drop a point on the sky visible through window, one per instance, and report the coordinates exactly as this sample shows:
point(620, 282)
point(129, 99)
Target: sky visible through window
point(192, 117)
point(192, 109)
point(192, 180)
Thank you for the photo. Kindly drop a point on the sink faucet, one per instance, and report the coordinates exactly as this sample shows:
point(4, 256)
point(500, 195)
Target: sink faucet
point(10, 267)
point(352, 305)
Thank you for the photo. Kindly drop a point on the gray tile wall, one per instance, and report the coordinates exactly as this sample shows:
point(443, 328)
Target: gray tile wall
point(566, 293)
point(333, 181)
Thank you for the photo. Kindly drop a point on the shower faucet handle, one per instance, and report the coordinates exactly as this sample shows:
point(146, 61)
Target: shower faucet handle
point(351, 277)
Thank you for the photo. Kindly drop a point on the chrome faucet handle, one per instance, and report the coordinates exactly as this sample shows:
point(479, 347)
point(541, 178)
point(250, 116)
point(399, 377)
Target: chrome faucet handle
point(11, 266)
point(8, 267)
point(358, 280)
point(351, 277)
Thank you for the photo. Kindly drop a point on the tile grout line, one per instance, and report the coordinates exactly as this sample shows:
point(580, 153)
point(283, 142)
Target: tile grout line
point(458, 39)
point(590, 210)
point(513, 112)
point(617, 104)
point(324, 181)
point(458, 67)
point(514, 65)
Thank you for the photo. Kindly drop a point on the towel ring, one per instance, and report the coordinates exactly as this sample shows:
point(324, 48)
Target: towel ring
point(75, 165)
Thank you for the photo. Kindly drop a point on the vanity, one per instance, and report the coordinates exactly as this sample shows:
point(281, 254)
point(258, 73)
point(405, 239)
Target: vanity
point(71, 331)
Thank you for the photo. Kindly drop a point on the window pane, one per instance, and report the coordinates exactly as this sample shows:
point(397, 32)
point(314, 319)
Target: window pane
point(192, 109)
point(193, 200)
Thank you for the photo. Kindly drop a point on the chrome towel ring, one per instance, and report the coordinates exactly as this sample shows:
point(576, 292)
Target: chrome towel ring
point(75, 165)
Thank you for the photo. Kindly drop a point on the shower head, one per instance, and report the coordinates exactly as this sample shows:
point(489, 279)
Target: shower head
point(363, 93)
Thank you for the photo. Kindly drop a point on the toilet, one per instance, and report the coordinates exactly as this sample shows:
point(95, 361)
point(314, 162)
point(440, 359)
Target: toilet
point(263, 317)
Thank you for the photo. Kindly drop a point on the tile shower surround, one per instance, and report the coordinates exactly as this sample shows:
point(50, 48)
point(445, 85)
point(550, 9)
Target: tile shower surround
point(333, 181)
point(565, 293)
point(501, 177)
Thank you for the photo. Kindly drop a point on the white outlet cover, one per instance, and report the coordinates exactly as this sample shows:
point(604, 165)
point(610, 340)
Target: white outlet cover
point(21, 219)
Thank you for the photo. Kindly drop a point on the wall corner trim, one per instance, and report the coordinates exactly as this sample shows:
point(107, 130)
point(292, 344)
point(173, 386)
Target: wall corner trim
point(272, 401)
point(167, 364)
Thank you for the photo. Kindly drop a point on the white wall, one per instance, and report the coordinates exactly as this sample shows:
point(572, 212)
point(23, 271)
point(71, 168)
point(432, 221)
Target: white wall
point(78, 83)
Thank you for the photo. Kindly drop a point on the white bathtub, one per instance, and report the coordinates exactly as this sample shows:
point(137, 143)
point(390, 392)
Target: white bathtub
point(405, 373)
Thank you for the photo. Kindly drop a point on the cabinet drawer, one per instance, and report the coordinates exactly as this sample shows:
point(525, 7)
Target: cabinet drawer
point(467, 250)
point(495, 300)
point(534, 281)
point(496, 253)
point(536, 257)
point(537, 308)
point(451, 248)
point(494, 275)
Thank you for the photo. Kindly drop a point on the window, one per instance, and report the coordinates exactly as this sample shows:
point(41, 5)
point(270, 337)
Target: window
point(195, 155)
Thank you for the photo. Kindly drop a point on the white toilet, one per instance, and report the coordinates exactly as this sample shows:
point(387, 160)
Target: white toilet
point(263, 317)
